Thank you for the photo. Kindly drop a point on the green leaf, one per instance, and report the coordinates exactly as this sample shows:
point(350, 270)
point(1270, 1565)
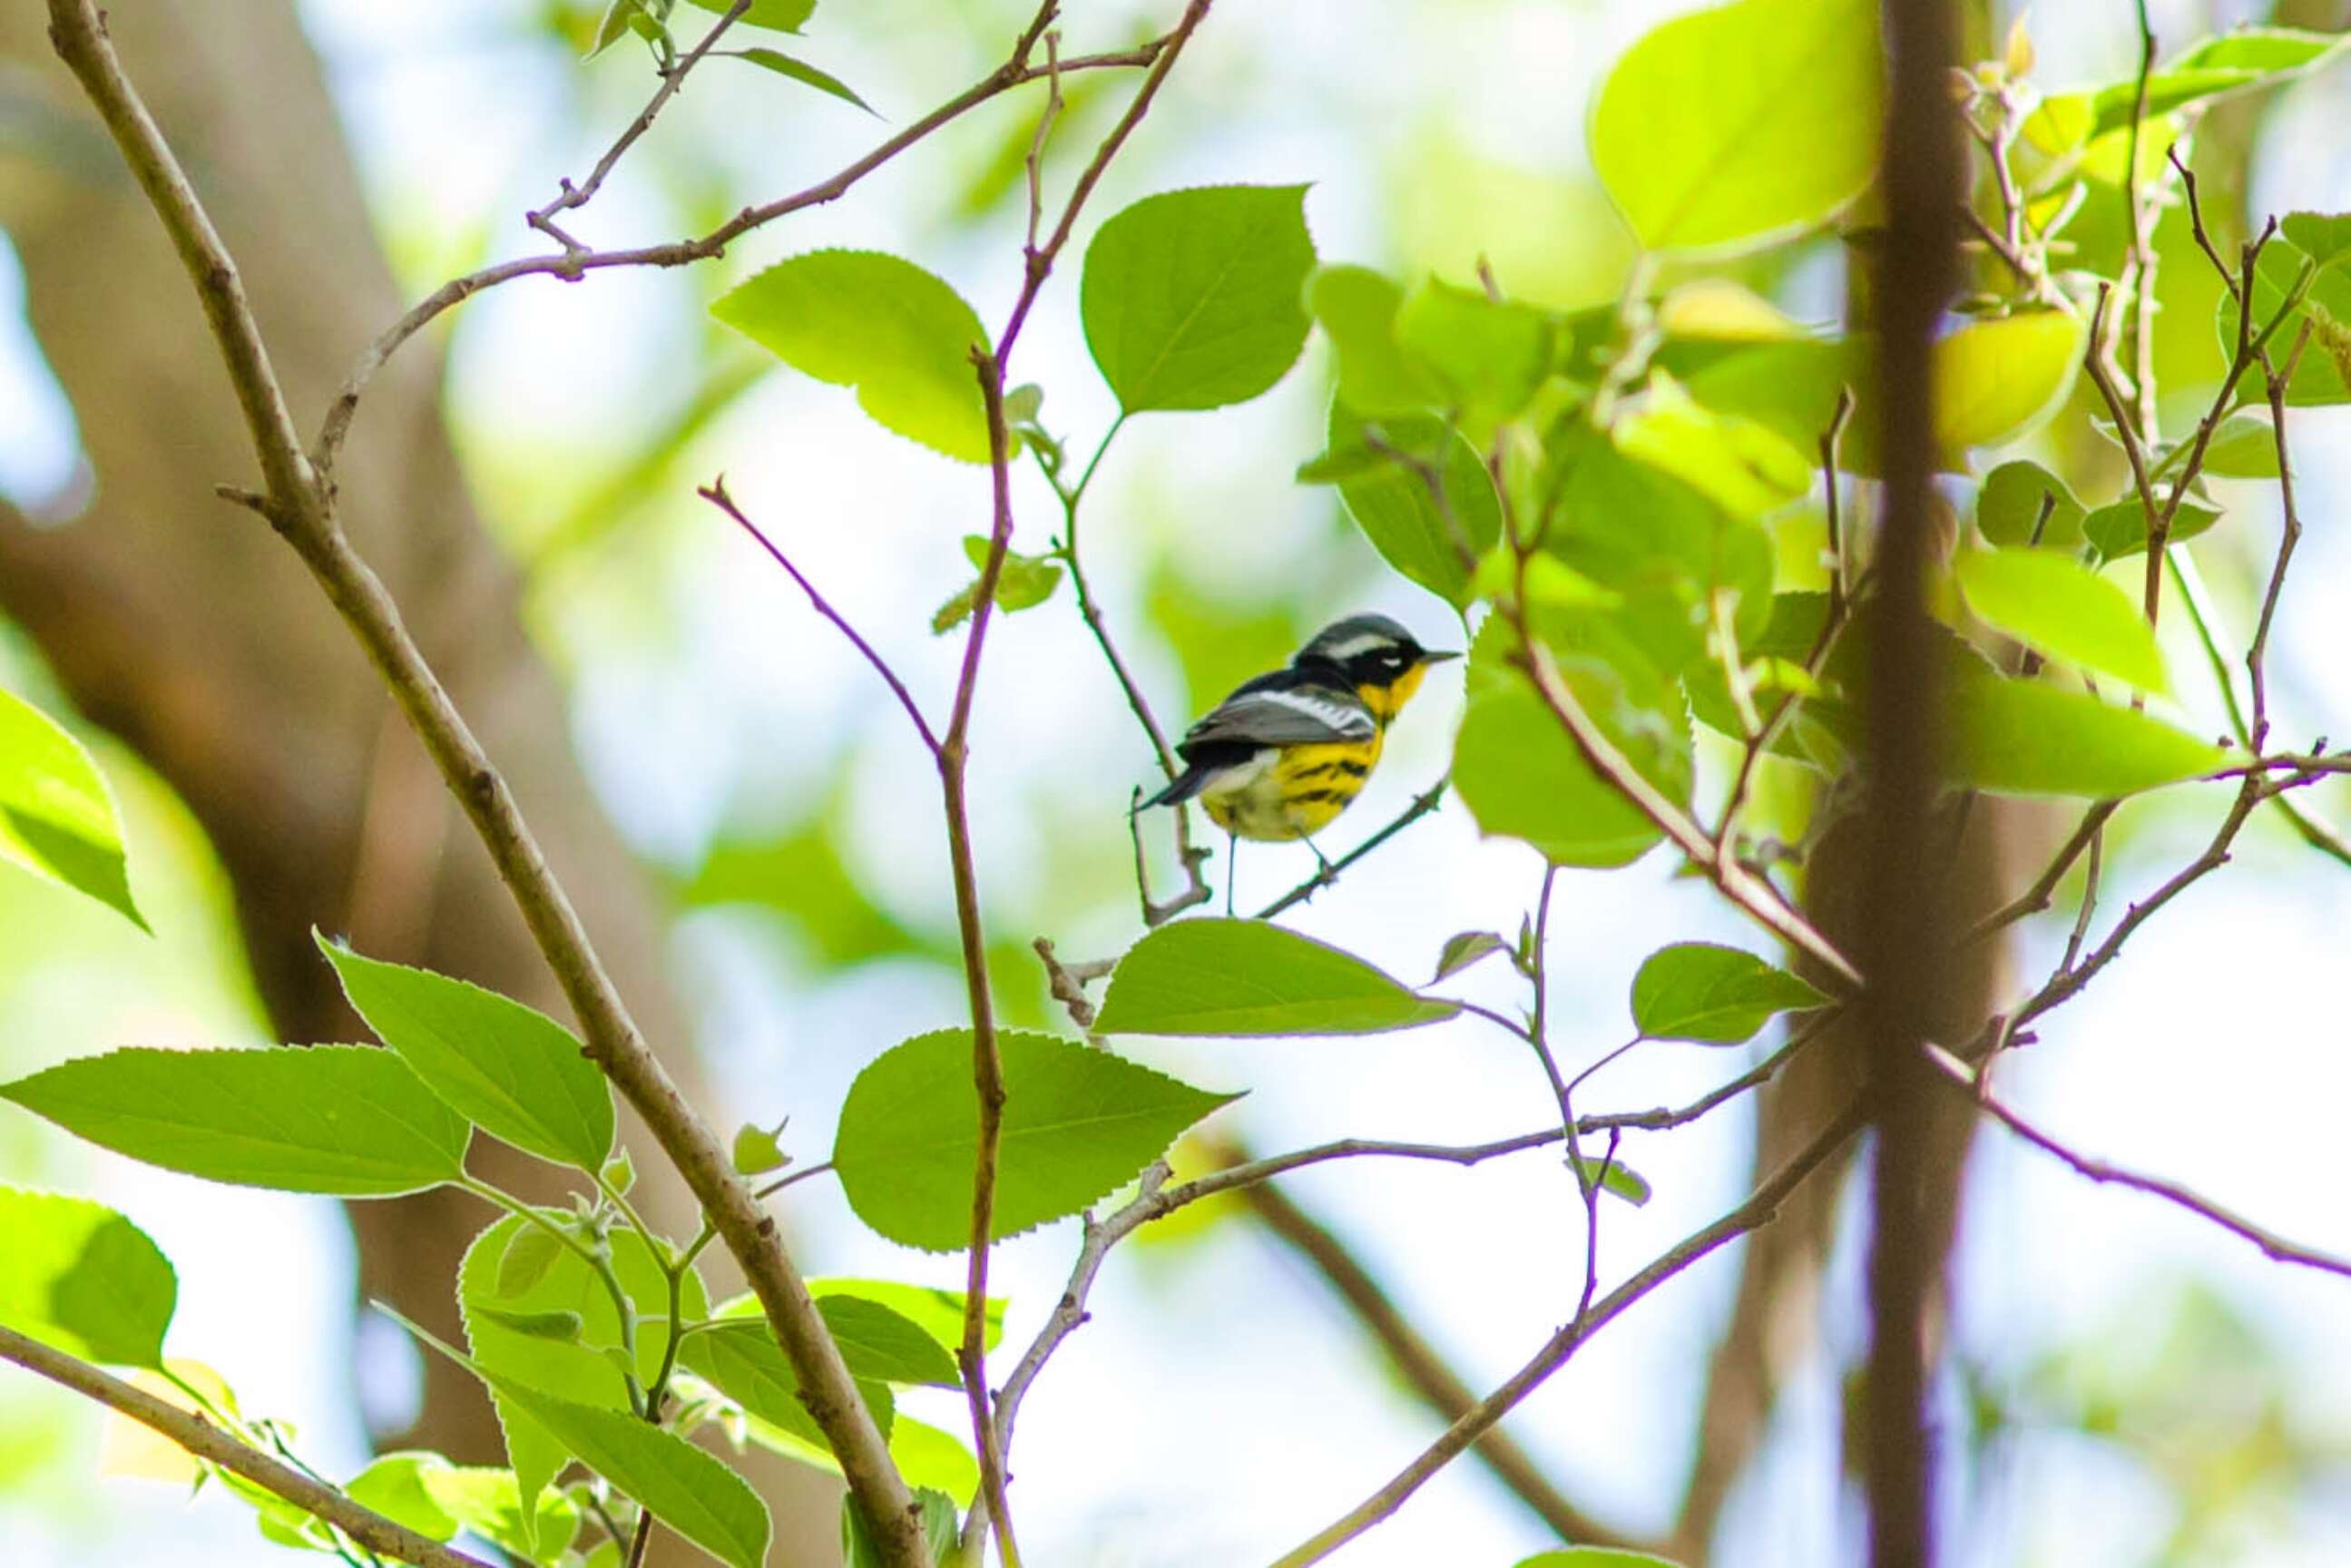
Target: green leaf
point(614, 25)
point(2212, 68)
point(2009, 506)
point(801, 71)
point(2322, 375)
point(937, 1510)
point(576, 1369)
point(526, 1261)
point(1521, 775)
point(1392, 503)
point(1357, 311)
point(742, 1360)
point(2119, 528)
point(924, 1454)
point(1996, 379)
point(619, 1175)
point(1740, 465)
point(1624, 1182)
point(1078, 1123)
point(398, 1486)
point(56, 818)
point(878, 1341)
point(688, 1491)
point(2243, 447)
point(777, 16)
point(347, 1120)
point(755, 1151)
point(2048, 601)
point(899, 335)
point(1192, 299)
point(1247, 978)
point(2325, 237)
point(1023, 582)
point(1742, 123)
point(1463, 949)
point(937, 1312)
point(563, 1327)
point(488, 1503)
point(1486, 357)
point(2025, 738)
point(76, 1275)
point(1595, 1557)
point(510, 1069)
point(1712, 995)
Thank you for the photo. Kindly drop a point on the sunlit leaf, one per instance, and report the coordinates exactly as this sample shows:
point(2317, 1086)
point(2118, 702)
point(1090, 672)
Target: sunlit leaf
point(56, 818)
point(1193, 299)
point(1743, 123)
point(2028, 738)
point(743, 1360)
point(1250, 977)
point(1356, 308)
point(1078, 1123)
point(347, 1121)
point(1712, 995)
point(1463, 949)
point(899, 335)
point(937, 1312)
point(2051, 601)
point(801, 71)
point(1739, 464)
point(399, 1487)
point(1995, 378)
point(510, 1069)
point(488, 1503)
point(1486, 357)
point(76, 1275)
point(778, 16)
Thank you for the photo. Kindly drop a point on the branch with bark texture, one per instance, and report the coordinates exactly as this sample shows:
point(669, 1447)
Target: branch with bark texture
point(209, 1442)
point(299, 502)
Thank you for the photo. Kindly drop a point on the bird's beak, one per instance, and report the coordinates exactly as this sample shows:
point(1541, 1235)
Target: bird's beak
point(1437, 658)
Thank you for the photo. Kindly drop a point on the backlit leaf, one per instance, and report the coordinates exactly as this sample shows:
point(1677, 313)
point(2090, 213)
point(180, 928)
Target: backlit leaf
point(778, 16)
point(1356, 308)
point(1078, 1123)
point(743, 1361)
point(1995, 378)
point(1486, 358)
point(1743, 123)
point(347, 1121)
point(76, 1275)
point(1192, 299)
point(1712, 995)
point(510, 1069)
point(1394, 506)
point(899, 335)
point(2027, 737)
point(1233, 978)
point(800, 71)
point(56, 818)
point(2051, 601)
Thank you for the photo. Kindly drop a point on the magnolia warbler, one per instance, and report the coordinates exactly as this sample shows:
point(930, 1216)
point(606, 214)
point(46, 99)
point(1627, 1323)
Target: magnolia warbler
point(1289, 751)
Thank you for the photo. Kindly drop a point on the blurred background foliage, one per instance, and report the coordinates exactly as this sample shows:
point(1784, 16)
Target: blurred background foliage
point(2129, 1393)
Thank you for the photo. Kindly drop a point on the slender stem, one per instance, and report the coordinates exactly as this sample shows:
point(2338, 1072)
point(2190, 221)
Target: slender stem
point(2273, 1244)
point(599, 1264)
point(1757, 1211)
point(209, 1442)
point(2142, 246)
point(2256, 656)
point(716, 494)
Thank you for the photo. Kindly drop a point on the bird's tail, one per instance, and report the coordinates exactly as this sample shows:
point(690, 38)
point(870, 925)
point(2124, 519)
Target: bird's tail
point(1182, 787)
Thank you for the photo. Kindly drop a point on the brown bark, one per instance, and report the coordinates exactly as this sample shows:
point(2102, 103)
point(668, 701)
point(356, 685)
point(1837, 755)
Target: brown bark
point(186, 626)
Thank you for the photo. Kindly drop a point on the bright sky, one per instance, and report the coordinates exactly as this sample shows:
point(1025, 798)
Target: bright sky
point(1218, 1408)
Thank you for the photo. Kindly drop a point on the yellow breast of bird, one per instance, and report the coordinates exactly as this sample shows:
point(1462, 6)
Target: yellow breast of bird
point(1296, 792)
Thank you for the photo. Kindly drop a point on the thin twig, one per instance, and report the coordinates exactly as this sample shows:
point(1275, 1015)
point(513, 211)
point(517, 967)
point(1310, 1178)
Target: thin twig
point(1755, 1212)
point(2257, 656)
point(2273, 1244)
point(673, 77)
point(716, 494)
point(1422, 805)
point(209, 1442)
point(300, 504)
point(2142, 246)
point(572, 266)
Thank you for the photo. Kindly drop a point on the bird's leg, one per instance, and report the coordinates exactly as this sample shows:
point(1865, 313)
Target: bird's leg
point(1232, 854)
point(1329, 871)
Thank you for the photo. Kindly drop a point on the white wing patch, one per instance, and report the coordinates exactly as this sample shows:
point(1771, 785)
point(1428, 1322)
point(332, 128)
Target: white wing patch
point(1346, 721)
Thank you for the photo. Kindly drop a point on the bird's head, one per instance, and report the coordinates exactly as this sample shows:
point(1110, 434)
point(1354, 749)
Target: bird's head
point(1379, 658)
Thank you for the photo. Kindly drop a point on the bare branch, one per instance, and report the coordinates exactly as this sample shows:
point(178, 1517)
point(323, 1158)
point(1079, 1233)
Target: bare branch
point(2274, 1246)
point(209, 1442)
point(2256, 656)
point(1757, 1211)
point(716, 494)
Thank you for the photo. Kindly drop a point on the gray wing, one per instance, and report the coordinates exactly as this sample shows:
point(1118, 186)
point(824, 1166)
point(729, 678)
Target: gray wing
point(1300, 715)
